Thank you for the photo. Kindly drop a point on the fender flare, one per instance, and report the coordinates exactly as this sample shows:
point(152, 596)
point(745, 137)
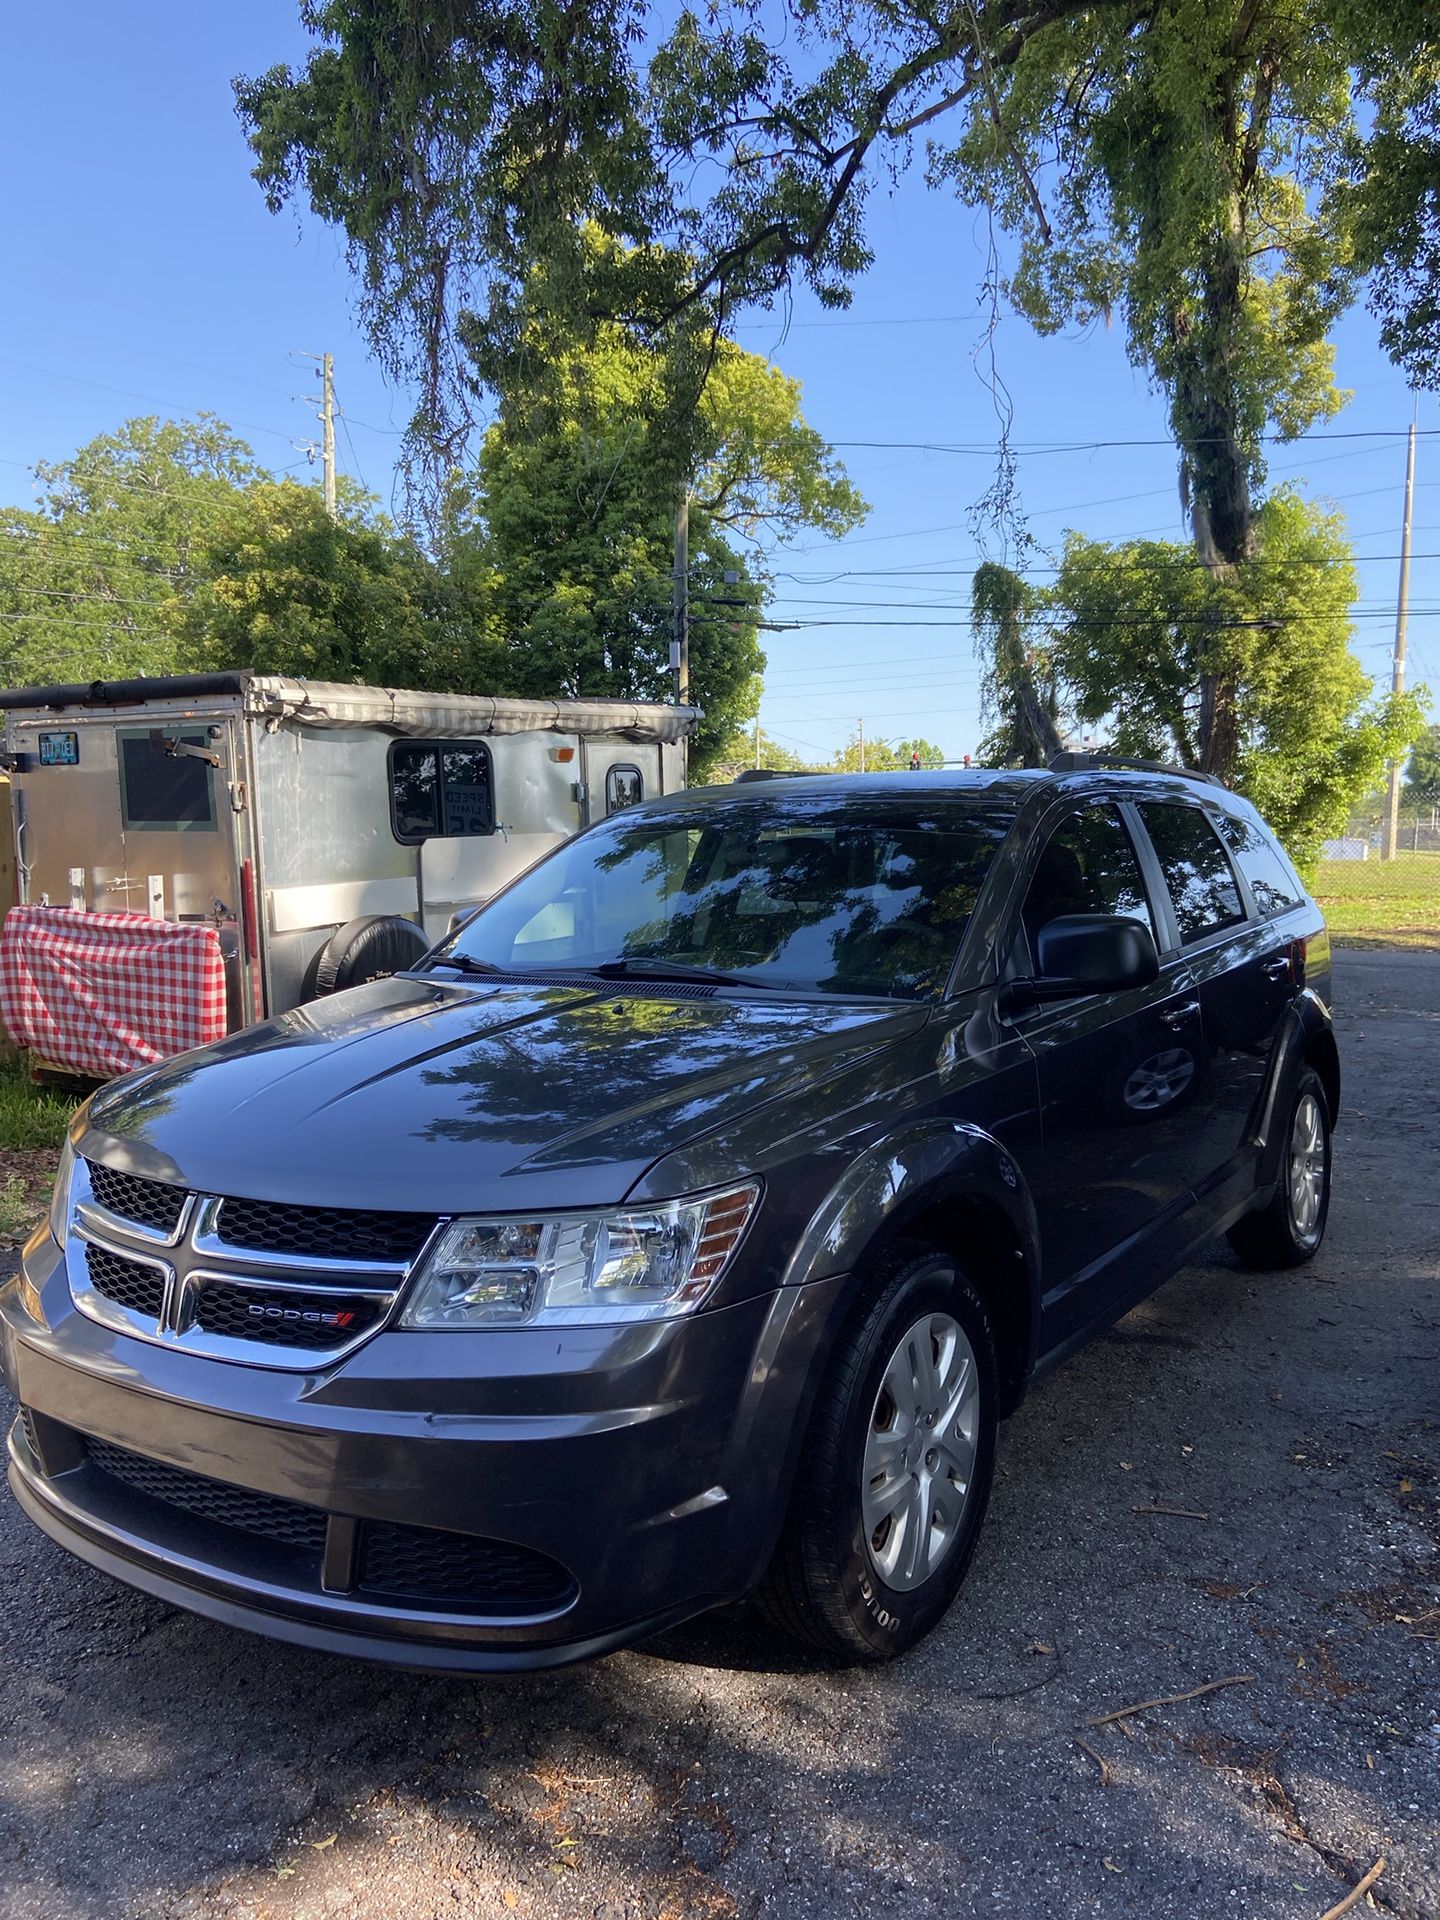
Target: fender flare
point(1306, 1020)
point(904, 1175)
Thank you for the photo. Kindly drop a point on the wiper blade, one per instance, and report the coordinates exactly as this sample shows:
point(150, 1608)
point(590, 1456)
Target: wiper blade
point(677, 970)
point(465, 963)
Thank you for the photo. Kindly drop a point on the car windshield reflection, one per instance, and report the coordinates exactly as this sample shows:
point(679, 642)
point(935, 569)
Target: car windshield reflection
point(816, 894)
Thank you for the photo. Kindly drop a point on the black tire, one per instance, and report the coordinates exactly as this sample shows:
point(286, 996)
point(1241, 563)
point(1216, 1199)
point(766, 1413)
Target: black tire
point(1274, 1236)
point(823, 1587)
point(370, 948)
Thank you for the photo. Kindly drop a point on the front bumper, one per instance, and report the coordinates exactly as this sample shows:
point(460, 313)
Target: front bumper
point(647, 1465)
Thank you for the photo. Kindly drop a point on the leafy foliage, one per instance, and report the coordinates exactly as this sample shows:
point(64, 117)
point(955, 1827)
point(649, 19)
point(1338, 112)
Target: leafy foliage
point(1391, 189)
point(1204, 170)
point(1018, 691)
point(1422, 776)
point(884, 756)
point(165, 548)
point(565, 532)
point(1139, 630)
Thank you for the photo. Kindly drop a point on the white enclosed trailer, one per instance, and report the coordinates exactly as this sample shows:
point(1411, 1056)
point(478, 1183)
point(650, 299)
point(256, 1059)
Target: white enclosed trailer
point(304, 820)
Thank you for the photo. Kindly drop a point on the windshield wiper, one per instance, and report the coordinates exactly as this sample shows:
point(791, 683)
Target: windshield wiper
point(464, 963)
point(677, 970)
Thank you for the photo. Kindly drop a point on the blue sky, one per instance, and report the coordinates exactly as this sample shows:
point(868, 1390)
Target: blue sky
point(143, 274)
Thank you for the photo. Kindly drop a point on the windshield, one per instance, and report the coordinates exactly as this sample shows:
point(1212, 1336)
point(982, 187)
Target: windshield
point(818, 895)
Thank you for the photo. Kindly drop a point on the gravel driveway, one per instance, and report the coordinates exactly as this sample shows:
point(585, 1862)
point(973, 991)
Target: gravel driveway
point(153, 1765)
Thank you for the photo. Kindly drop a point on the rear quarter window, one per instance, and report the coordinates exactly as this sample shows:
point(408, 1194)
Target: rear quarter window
point(1271, 878)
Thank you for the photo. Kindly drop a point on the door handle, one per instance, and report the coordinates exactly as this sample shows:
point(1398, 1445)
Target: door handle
point(1277, 969)
point(1182, 1015)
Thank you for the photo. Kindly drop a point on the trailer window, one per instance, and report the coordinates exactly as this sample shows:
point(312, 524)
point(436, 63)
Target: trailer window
point(624, 787)
point(162, 792)
point(440, 789)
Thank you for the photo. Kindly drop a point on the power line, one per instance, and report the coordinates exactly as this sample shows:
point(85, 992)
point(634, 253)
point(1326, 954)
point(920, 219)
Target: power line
point(128, 393)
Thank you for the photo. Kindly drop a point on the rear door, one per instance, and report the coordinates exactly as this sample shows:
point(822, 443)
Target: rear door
point(1241, 969)
point(1118, 1073)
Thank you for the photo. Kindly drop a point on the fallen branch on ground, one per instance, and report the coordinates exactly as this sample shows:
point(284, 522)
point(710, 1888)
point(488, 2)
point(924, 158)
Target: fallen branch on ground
point(1176, 1513)
point(1357, 1893)
point(1101, 1762)
point(1170, 1699)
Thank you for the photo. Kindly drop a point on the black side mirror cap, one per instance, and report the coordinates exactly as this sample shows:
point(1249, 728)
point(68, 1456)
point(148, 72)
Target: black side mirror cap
point(1081, 953)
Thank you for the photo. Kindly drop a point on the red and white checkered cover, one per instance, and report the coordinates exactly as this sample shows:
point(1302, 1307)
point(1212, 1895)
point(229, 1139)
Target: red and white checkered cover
point(101, 993)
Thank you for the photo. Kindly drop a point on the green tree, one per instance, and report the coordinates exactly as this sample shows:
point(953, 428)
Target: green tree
point(565, 533)
point(1422, 776)
point(1189, 167)
point(166, 548)
point(286, 589)
point(1138, 627)
point(1018, 694)
point(884, 756)
point(1390, 190)
point(94, 582)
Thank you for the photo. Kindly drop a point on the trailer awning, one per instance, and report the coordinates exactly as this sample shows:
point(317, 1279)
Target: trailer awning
point(398, 710)
point(319, 703)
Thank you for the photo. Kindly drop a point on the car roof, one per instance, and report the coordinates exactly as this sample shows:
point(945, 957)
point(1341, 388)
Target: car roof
point(988, 786)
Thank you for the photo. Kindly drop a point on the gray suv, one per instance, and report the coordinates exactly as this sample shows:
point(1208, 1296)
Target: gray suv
point(683, 1226)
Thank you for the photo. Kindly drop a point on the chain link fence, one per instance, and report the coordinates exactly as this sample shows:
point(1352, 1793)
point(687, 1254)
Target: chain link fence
point(1373, 901)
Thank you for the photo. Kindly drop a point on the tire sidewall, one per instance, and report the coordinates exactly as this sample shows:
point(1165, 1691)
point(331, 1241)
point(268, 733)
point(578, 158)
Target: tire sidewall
point(884, 1619)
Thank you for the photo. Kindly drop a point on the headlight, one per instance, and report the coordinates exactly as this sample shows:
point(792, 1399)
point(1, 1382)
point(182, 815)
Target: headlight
point(60, 1199)
point(580, 1269)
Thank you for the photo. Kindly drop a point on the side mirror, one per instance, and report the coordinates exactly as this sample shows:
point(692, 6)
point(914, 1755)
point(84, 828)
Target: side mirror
point(1083, 953)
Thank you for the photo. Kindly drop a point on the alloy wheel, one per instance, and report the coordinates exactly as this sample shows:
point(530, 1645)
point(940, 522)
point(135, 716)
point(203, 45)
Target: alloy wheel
point(1309, 1151)
point(920, 1449)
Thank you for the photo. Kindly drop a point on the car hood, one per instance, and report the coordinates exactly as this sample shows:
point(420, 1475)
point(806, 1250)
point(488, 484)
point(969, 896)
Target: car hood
point(418, 1094)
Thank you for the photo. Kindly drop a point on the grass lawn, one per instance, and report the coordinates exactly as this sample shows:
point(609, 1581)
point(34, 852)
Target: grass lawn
point(1391, 903)
point(32, 1125)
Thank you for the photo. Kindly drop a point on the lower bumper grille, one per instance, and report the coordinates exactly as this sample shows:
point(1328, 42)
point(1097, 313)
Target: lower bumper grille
point(430, 1567)
point(395, 1566)
point(285, 1522)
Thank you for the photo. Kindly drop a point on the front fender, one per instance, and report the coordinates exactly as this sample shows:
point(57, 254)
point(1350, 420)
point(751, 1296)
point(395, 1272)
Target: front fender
point(922, 1168)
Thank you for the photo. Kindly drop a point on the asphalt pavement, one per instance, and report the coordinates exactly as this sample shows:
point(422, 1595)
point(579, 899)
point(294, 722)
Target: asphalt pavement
point(154, 1766)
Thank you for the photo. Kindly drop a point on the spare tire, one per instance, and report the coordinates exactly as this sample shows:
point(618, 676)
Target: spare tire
point(369, 948)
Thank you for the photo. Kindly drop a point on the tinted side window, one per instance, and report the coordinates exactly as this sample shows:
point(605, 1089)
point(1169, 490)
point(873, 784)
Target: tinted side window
point(1088, 866)
point(1197, 872)
point(440, 788)
point(1272, 879)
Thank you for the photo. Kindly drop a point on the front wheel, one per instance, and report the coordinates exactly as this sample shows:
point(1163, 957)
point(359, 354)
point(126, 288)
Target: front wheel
point(1287, 1231)
point(896, 1472)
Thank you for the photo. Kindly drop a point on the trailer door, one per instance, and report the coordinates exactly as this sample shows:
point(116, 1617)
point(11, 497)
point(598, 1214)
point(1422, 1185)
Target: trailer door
point(618, 774)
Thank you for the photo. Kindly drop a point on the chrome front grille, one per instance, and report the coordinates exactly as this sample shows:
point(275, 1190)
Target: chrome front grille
point(261, 1283)
point(284, 1316)
point(148, 1203)
point(136, 1284)
point(332, 1233)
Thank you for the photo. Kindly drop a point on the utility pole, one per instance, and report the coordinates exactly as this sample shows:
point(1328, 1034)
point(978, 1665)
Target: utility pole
point(862, 746)
point(757, 739)
point(680, 636)
point(1397, 672)
point(327, 426)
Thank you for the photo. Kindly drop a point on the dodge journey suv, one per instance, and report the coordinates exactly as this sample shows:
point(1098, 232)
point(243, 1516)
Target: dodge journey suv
point(682, 1226)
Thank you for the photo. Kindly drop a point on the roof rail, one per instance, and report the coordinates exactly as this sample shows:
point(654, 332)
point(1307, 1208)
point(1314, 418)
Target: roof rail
point(1080, 762)
point(770, 773)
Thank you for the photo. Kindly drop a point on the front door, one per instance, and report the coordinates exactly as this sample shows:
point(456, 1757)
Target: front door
point(1118, 1075)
